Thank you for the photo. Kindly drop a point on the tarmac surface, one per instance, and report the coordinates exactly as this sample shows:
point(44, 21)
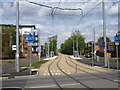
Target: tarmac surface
point(63, 72)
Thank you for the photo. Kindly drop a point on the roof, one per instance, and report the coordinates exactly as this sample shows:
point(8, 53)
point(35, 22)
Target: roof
point(19, 25)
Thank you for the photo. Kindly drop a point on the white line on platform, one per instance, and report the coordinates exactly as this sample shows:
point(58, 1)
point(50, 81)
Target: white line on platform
point(6, 74)
point(54, 85)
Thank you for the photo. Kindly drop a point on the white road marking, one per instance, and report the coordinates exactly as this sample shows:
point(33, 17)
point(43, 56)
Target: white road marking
point(44, 74)
point(54, 85)
point(56, 73)
point(116, 80)
point(6, 74)
point(68, 72)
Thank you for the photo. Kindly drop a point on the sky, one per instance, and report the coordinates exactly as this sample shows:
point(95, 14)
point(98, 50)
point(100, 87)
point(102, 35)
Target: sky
point(66, 21)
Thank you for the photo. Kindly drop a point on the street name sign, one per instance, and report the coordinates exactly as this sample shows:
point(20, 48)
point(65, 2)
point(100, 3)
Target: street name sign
point(13, 47)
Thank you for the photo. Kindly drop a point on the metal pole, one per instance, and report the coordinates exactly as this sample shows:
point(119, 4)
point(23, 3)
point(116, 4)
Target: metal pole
point(92, 55)
point(104, 34)
point(117, 56)
point(73, 45)
point(77, 43)
point(108, 63)
point(30, 59)
point(39, 46)
point(48, 46)
point(17, 36)
point(94, 43)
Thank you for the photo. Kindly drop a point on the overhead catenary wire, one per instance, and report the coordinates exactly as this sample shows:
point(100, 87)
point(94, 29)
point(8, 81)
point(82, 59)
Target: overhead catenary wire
point(86, 14)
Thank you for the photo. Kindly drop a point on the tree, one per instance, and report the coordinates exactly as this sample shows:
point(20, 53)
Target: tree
point(52, 44)
point(8, 39)
point(67, 46)
point(101, 39)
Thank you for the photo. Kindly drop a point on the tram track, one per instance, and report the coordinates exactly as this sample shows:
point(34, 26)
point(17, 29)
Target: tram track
point(87, 71)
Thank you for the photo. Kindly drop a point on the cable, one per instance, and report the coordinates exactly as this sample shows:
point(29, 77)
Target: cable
point(86, 14)
point(39, 4)
point(57, 7)
point(53, 7)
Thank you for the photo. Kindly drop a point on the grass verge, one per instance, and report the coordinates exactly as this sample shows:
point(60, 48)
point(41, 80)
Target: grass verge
point(36, 64)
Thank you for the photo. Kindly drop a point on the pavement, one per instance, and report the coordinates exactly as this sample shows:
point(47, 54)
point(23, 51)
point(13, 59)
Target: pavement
point(87, 61)
point(51, 58)
point(9, 70)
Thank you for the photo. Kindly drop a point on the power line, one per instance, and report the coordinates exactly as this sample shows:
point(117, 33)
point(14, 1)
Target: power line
point(86, 14)
point(53, 7)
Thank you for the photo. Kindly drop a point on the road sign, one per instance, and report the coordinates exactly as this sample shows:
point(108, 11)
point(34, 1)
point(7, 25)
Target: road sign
point(30, 44)
point(13, 47)
point(109, 50)
point(103, 44)
point(109, 54)
point(117, 43)
point(30, 38)
point(117, 38)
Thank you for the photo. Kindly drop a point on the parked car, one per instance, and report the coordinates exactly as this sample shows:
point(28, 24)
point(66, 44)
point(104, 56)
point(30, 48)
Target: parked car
point(88, 55)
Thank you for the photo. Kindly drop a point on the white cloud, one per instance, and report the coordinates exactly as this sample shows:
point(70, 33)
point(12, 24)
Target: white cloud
point(64, 24)
point(113, 10)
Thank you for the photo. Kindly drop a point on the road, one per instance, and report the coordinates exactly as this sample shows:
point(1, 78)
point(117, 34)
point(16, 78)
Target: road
point(9, 70)
point(64, 72)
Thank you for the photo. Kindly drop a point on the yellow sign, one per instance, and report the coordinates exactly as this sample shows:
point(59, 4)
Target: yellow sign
point(109, 55)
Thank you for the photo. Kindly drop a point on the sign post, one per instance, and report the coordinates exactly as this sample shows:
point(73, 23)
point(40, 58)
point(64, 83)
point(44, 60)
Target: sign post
point(109, 56)
point(30, 39)
point(117, 40)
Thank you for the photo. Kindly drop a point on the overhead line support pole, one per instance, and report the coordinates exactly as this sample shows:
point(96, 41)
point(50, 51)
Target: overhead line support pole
point(17, 36)
point(104, 34)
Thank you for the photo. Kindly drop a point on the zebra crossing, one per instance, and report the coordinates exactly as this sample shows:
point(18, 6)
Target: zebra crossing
point(55, 72)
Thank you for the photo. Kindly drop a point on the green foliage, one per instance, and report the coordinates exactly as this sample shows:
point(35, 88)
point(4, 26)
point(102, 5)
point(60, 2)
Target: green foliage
point(101, 39)
point(36, 64)
point(67, 46)
point(8, 39)
point(52, 44)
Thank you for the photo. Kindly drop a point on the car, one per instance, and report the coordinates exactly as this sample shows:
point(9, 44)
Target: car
point(88, 55)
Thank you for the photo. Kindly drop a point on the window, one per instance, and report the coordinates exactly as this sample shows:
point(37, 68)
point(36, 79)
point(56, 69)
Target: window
point(34, 54)
point(25, 54)
point(25, 49)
